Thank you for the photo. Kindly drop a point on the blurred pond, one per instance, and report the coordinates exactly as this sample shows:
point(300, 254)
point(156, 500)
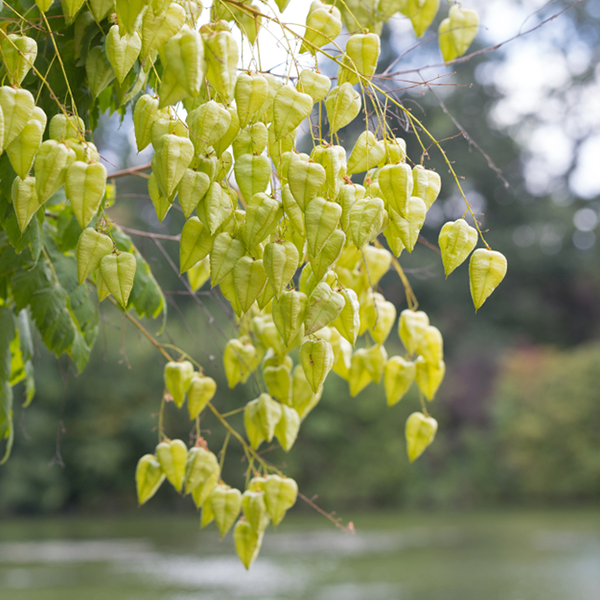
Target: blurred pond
point(551, 555)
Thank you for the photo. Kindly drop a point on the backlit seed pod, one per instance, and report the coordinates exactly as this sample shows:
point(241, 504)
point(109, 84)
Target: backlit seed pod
point(366, 220)
point(145, 114)
point(362, 54)
point(375, 358)
point(323, 24)
point(148, 477)
point(348, 321)
point(201, 468)
point(162, 205)
point(486, 270)
point(347, 196)
point(229, 292)
point(129, 14)
point(191, 189)
point(281, 262)
point(282, 4)
point(84, 188)
point(202, 492)
point(278, 382)
point(44, 5)
point(367, 311)
point(199, 274)
point(225, 505)
point(317, 359)
point(208, 123)
point(101, 290)
point(392, 235)
point(358, 376)
point(303, 398)
point(251, 140)
point(221, 53)
point(22, 150)
point(457, 240)
point(172, 456)
point(101, 8)
point(329, 254)
point(122, 51)
point(171, 91)
point(252, 174)
point(457, 32)
point(420, 12)
point(184, 55)
point(240, 359)
point(255, 510)
point(19, 53)
point(17, 108)
point(251, 91)
point(411, 328)
point(287, 429)
point(267, 414)
point(333, 160)
point(159, 28)
point(249, 279)
point(25, 200)
point(196, 243)
point(410, 227)
point(343, 103)
point(99, 72)
point(305, 179)
point(398, 376)
point(215, 209)
point(266, 111)
point(201, 391)
point(92, 246)
point(377, 263)
point(51, 163)
point(426, 185)
point(385, 319)
point(429, 376)
point(225, 253)
point(290, 108)
point(280, 496)
point(247, 542)
point(321, 219)
point(221, 145)
point(262, 215)
point(277, 148)
point(395, 151)
point(63, 127)
point(314, 84)
point(178, 376)
point(367, 152)
point(165, 125)
point(324, 307)
point(253, 431)
point(288, 312)
point(420, 432)
point(170, 161)
point(396, 185)
point(207, 517)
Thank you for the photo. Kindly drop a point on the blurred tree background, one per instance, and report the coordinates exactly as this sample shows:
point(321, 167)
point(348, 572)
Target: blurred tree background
point(519, 411)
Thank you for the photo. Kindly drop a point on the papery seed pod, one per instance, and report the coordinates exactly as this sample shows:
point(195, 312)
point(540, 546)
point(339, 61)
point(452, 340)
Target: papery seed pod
point(262, 215)
point(429, 376)
point(240, 358)
point(99, 72)
point(288, 312)
point(44, 5)
point(329, 254)
point(101, 8)
point(25, 200)
point(457, 240)
point(22, 150)
point(323, 24)
point(317, 360)
point(215, 208)
point(191, 189)
point(84, 188)
point(184, 55)
point(19, 53)
point(225, 505)
point(178, 377)
point(278, 382)
point(229, 292)
point(420, 12)
point(101, 290)
point(395, 152)
point(347, 196)
point(63, 127)
point(221, 145)
point(396, 184)
point(201, 469)
point(290, 108)
point(170, 161)
point(324, 306)
point(398, 376)
point(280, 496)
point(159, 28)
point(148, 477)
point(17, 108)
point(277, 148)
point(171, 91)
point(333, 160)
point(251, 91)
point(431, 345)
point(314, 84)
point(207, 516)
point(385, 319)
point(199, 274)
point(195, 244)
point(266, 111)
point(305, 179)
point(71, 7)
point(281, 262)
point(255, 510)
point(392, 236)
point(358, 377)
point(172, 456)
point(122, 51)
point(251, 140)
point(266, 415)
point(287, 428)
point(247, 541)
point(200, 392)
point(130, 13)
point(303, 397)
point(51, 164)
point(411, 327)
point(144, 115)
point(377, 263)
point(367, 153)
point(362, 54)
point(348, 321)
point(457, 32)
point(343, 103)
point(92, 246)
point(375, 359)
point(253, 431)
point(410, 227)
point(487, 269)
point(321, 219)
point(426, 185)
point(420, 432)
point(366, 220)
point(249, 279)
point(162, 205)
point(208, 123)
point(225, 253)
point(221, 52)
point(252, 174)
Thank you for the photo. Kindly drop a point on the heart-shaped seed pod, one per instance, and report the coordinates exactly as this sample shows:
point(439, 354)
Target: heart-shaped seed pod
point(253, 431)
point(178, 376)
point(130, 14)
point(321, 219)
point(249, 279)
point(287, 428)
point(201, 391)
point(366, 220)
point(303, 398)
point(171, 91)
point(333, 160)
point(196, 242)
point(324, 307)
point(431, 345)
point(199, 274)
point(348, 321)
point(44, 5)
point(375, 358)
point(290, 108)
point(215, 208)
point(367, 152)
point(251, 91)
point(172, 456)
point(396, 185)
point(429, 376)
point(229, 292)
point(262, 215)
point(487, 269)
point(184, 55)
point(392, 236)
point(282, 4)
point(343, 103)
point(377, 263)
point(51, 164)
point(398, 376)
point(159, 28)
point(252, 174)
point(247, 542)
point(421, 13)
point(122, 51)
point(420, 432)
point(343, 360)
point(71, 7)
point(92, 247)
point(410, 227)
point(191, 189)
point(457, 32)
point(84, 188)
point(395, 152)
point(277, 148)
point(170, 161)
point(457, 240)
point(281, 262)
point(305, 179)
point(266, 415)
point(426, 185)
point(22, 150)
point(314, 84)
point(99, 72)
point(25, 200)
point(358, 377)
point(17, 108)
point(19, 53)
point(385, 319)
point(280, 496)
point(207, 517)
point(101, 8)
point(202, 492)
point(240, 358)
point(347, 196)
point(148, 477)
point(225, 253)
point(323, 25)
point(208, 123)
point(63, 127)
point(288, 312)
point(362, 54)
point(411, 328)
point(221, 145)
point(222, 54)
point(329, 254)
point(278, 382)
point(225, 505)
point(145, 114)
point(251, 140)
point(255, 510)
point(201, 469)
point(317, 360)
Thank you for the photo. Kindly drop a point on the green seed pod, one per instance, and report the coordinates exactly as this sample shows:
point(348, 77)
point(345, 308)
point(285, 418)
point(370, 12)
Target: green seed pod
point(343, 103)
point(64, 127)
point(25, 200)
point(229, 136)
point(222, 54)
point(199, 274)
point(321, 219)
point(392, 235)
point(255, 510)
point(487, 269)
point(166, 125)
point(429, 376)
point(457, 240)
point(358, 377)
point(225, 253)
point(333, 160)
point(267, 414)
point(171, 91)
point(431, 345)
point(347, 196)
point(426, 185)
point(252, 174)
point(362, 54)
point(200, 495)
point(178, 376)
point(266, 111)
point(201, 469)
point(375, 359)
point(385, 319)
point(457, 32)
point(101, 8)
point(277, 148)
point(92, 246)
point(262, 215)
point(367, 153)
point(287, 428)
point(420, 12)
point(191, 189)
point(249, 279)
point(410, 227)
point(278, 382)
point(101, 290)
point(184, 55)
point(247, 542)
point(377, 263)
point(411, 327)
point(366, 220)
point(305, 180)
point(51, 163)
point(170, 161)
point(323, 25)
point(19, 53)
point(290, 108)
point(159, 28)
point(207, 517)
point(22, 150)
point(17, 108)
point(281, 262)
point(225, 505)
point(317, 360)
point(395, 152)
point(343, 360)
point(201, 391)
point(44, 5)
point(251, 140)
point(250, 93)
point(130, 13)
point(215, 209)
point(396, 184)
point(348, 321)
point(172, 456)
point(324, 307)
point(240, 359)
point(208, 123)
point(420, 431)
point(71, 7)
point(99, 72)
point(314, 84)
point(303, 398)
point(253, 432)
point(84, 188)
point(208, 165)
point(329, 254)
point(196, 243)
point(398, 376)
point(122, 51)
point(148, 477)
point(288, 312)
point(282, 4)
point(280, 496)
point(229, 291)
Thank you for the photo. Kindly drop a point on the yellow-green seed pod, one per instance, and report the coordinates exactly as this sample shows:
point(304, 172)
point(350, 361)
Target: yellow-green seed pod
point(172, 456)
point(225, 253)
point(208, 123)
point(196, 243)
point(287, 429)
point(221, 53)
point(290, 108)
point(375, 358)
point(225, 505)
point(266, 415)
point(22, 150)
point(145, 114)
point(278, 382)
point(429, 376)
point(303, 398)
point(101, 290)
point(411, 327)
point(420, 432)
point(51, 163)
point(249, 279)
point(17, 108)
point(202, 492)
point(201, 391)
point(251, 91)
point(281, 262)
point(253, 431)
point(227, 138)
point(229, 292)
point(99, 72)
point(420, 12)
point(426, 185)
point(395, 151)
point(159, 28)
point(362, 54)
point(85, 186)
point(348, 321)
point(184, 55)
point(317, 360)
point(280, 496)
point(118, 272)
point(191, 189)
point(25, 200)
point(343, 103)
point(305, 179)
point(366, 220)
point(457, 32)
point(215, 208)
point(321, 219)
point(92, 246)
point(201, 469)
point(171, 91)
point(247, 542)
point(410, 227)
point(385, 319)
point(347, 196)
point(207, 517)
point(64, 127)
point(148, 477)
point(457, 240)
point(44, 5)
point(262, 215)
point(367, 152)
point(431, 345)
point(329, 254)
point(396, 185)
point(130, 14)
point(377, 263)
point(19, 53)
point(255, 510)
point(170, 161)
point(100, 8)
point(314, 84)
point(178, 376)
point(122, 51)
point(487, 269)
point(277, 148)
point(252, 174)
point(288, 312)
point(398, 376)
point(199, 274)
point(323, 25)
point(240, 358)
point(324, 307)
point(358, 376)
point(251, 140)
point(392, 235)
